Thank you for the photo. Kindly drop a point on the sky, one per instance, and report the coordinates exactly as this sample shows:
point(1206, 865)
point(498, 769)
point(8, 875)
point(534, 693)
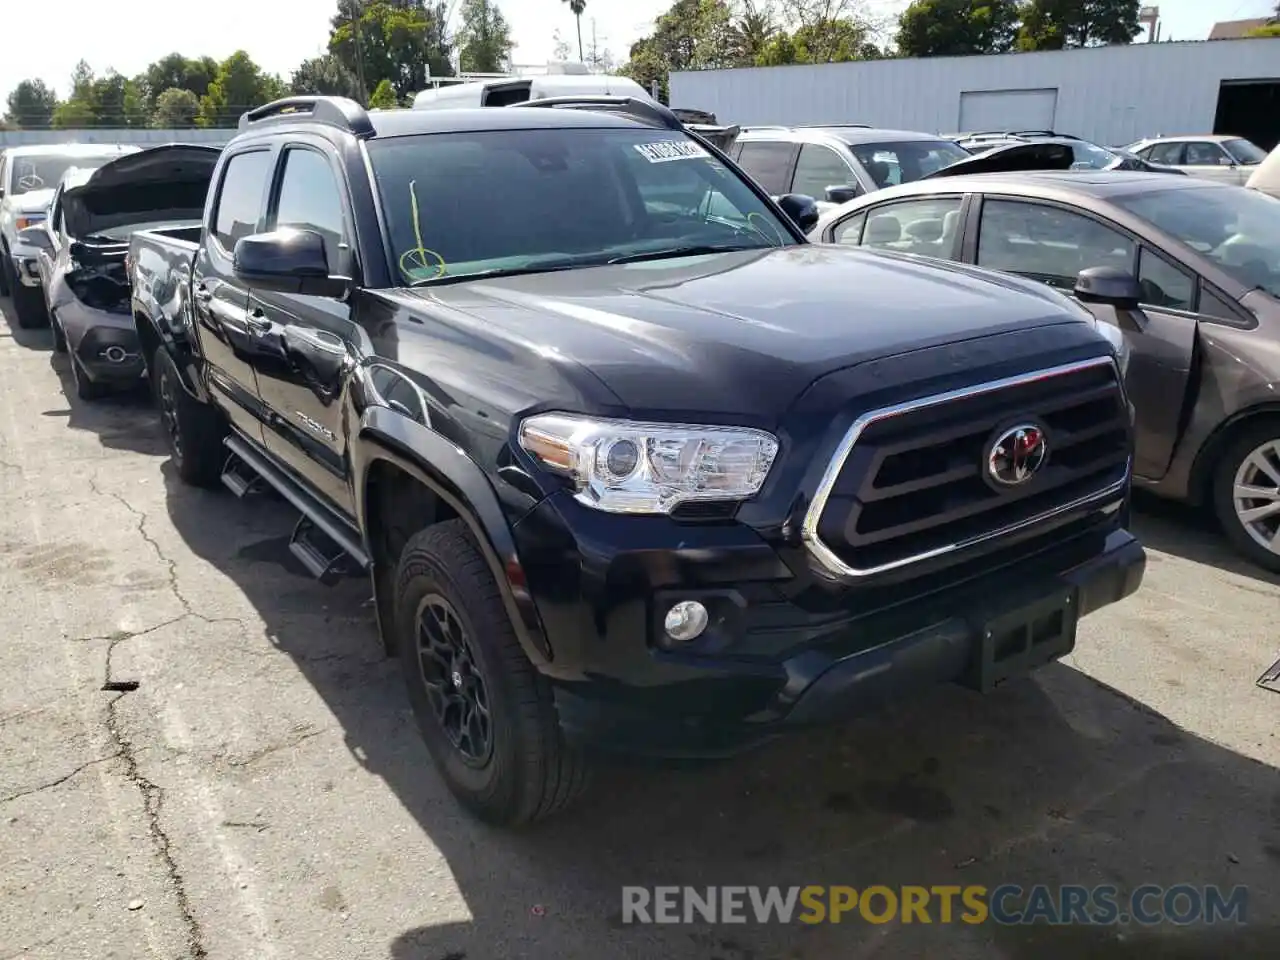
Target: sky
point(126, 35)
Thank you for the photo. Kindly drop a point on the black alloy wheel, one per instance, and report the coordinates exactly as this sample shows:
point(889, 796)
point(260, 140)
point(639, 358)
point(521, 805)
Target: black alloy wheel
point(454, 684)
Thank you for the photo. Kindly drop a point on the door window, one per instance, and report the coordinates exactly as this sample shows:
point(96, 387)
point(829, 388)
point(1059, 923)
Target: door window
point(768, 163)
point(1047, 243)
point(1203, 154)
point(310, 200)
point(1163, 284)
point(240, 197)
point(1169, 154)
point(817, 168)
point(849, 230)
point(926, 227)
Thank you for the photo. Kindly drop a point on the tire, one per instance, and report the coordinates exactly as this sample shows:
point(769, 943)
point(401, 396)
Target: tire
point(28, 306)
point(59, 338)
point(194, 430)
point(527, 772)
point(1238, 461)
point(86, 389)
point(5, 285)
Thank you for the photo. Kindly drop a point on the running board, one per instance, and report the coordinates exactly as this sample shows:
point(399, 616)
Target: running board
point(322, 541)
point(240, 478)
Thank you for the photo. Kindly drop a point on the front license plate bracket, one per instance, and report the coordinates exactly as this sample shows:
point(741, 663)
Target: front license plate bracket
point(1014, 643)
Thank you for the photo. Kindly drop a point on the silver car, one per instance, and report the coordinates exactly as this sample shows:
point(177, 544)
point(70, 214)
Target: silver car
point(83, 245)
point(1213, 156)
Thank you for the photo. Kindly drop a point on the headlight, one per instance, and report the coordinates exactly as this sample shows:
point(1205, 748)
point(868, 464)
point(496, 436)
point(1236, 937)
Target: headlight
point(626, 467)
point(1116, 336)
point(27, 220)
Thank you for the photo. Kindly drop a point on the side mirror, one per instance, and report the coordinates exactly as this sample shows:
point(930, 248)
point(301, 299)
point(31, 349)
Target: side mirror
point(801, 208)
point(843, 194)
point(36, 236)
point(1109, 285)
point(287, 261)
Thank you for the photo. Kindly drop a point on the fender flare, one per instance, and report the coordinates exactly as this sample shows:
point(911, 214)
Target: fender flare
point(444, 469)
point(1201, 475)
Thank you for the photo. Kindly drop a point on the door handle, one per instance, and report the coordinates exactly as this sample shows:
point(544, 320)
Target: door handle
point(257, 323)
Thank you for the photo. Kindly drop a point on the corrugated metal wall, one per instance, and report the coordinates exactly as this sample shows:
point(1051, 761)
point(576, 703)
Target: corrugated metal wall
point(21, 138)
point(1111, 95)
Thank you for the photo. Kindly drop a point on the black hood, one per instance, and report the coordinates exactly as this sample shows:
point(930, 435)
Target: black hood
point(161, 184)
point(1018, 158)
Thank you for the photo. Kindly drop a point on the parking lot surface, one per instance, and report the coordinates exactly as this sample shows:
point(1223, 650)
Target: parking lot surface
point(250, 784)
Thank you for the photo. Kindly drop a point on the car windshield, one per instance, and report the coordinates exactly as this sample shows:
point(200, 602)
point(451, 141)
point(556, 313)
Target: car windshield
point(1239, 230)
point(33, 172)
point(1244, 151)
point(465, 204)
point(892, 163)
point(1090, 156)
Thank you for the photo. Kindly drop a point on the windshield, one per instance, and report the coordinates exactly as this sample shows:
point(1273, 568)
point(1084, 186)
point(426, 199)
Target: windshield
point(1244, 151)
point(33, 172)
point(1090, 156)
point(1239, 230)
point(893, 163)
point(463, 204)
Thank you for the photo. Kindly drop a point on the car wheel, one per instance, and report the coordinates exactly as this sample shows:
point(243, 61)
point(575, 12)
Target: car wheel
point(59, 338)
point(28, 306)
point(486, 714)
point(5, 286)
point(1246, 493)
point(194, 430)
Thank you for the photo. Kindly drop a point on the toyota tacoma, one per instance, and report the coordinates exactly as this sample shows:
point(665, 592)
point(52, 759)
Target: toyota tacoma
point(631, 465)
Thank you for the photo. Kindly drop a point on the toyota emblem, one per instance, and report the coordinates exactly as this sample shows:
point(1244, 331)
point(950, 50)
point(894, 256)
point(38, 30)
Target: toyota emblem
point(1016, 455)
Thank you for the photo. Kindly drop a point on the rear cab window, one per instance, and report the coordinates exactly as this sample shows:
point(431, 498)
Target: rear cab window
point(240, 197)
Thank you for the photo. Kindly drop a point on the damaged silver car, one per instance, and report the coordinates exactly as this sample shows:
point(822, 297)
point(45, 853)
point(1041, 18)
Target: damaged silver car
point(84, 244)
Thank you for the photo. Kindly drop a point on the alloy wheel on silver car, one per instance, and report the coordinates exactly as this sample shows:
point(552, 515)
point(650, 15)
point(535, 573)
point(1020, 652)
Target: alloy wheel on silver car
point(1256, 495)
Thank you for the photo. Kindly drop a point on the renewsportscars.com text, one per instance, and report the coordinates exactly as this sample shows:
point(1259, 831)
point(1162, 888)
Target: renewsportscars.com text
point(1148, 904)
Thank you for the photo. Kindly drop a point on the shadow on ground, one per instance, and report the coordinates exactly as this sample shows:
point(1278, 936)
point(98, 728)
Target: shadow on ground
point(1190, 533)
point(1055, 780)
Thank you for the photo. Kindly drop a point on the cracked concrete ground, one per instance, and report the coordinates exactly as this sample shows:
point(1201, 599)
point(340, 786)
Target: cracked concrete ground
point(249, 784)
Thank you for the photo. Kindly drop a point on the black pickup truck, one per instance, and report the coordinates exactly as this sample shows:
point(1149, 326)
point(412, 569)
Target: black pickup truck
point(631, 464)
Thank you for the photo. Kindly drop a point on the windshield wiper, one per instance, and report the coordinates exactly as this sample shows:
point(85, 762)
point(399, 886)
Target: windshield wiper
point(691, 250)
point(491, 274)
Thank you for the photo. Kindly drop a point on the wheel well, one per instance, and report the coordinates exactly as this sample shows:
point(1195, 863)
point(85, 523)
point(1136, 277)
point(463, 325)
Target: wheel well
point(397, 505)
point(148, 338)
point(1201, 484)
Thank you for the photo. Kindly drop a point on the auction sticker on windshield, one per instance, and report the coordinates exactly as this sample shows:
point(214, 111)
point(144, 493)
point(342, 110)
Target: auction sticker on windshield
point(664, 150)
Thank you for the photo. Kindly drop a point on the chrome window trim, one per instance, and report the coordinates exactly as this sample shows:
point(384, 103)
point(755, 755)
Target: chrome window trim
point(834, 565)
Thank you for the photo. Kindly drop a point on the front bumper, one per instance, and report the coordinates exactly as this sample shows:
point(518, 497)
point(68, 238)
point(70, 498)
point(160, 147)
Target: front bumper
point(778, 657)
point(26, 265)
point(108, 352)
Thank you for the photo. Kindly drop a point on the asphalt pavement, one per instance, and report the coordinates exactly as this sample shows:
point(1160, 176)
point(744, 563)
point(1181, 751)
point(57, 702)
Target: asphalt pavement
point(205, 755)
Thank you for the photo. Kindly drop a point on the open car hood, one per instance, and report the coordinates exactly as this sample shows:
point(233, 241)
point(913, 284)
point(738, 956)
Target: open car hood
point(161, 184)
point(1017, 158)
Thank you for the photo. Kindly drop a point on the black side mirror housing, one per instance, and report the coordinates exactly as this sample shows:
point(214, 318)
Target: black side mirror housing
point(843, 193)
point(801, 208)
point(1109, 285)
point(287, 261)
point(36, 236)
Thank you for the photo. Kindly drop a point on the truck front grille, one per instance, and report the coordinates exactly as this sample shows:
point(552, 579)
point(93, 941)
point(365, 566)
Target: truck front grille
point(909, 482)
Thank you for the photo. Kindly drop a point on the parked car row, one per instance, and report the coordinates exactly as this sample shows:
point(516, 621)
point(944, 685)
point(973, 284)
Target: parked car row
point(631, 463)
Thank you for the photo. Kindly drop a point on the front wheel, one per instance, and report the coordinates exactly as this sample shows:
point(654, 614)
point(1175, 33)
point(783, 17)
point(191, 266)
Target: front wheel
point(194, 430)
point(5, 285)
point(28, 306)
point(486, 714)
point(1246, 494)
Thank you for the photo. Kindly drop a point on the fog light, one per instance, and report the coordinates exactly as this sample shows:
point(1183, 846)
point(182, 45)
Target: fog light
point(115, 354)
point(686, 620)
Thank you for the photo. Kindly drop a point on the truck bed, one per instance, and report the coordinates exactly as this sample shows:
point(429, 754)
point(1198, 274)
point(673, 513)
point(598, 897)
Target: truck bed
point(159, 265)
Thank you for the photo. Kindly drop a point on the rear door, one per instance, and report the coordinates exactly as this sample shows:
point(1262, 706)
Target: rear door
point(770, 163)
point(1205, 158)
point(311, 344)
point(220, 300)
point(818, 167)
point(1052, 243)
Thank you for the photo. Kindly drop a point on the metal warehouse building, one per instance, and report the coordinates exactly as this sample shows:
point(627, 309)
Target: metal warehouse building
point(1110, 95)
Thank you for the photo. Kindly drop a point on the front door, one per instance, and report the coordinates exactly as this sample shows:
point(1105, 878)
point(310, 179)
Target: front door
point(220, 300)
point(1050, 243)
point(313, 344)
point(1205, 158)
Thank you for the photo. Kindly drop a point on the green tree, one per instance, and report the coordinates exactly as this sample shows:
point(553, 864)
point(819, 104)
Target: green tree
point(691, 35)
point(1270, 30)
point(175, 71)
point(484, 38)
point(176, 109)
point(1058, 24)
point(403, 41)
point(77, 111)
point(325, 76)
point(384, 97)
point(754, 29)
point(115, 101)
point(953, 28)
point(238, 86)
point(578, 8)
point(31, 105)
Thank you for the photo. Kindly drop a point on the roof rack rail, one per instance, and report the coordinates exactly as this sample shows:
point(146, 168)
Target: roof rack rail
point(862, 126)
point(766, 126)
point(649, 111)
point(336, 111)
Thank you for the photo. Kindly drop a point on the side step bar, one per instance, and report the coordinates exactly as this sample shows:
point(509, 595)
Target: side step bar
point(322, 541)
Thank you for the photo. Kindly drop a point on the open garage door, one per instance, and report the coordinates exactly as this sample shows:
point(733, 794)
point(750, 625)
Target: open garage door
point(1249, 109)
point(1007, 109)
